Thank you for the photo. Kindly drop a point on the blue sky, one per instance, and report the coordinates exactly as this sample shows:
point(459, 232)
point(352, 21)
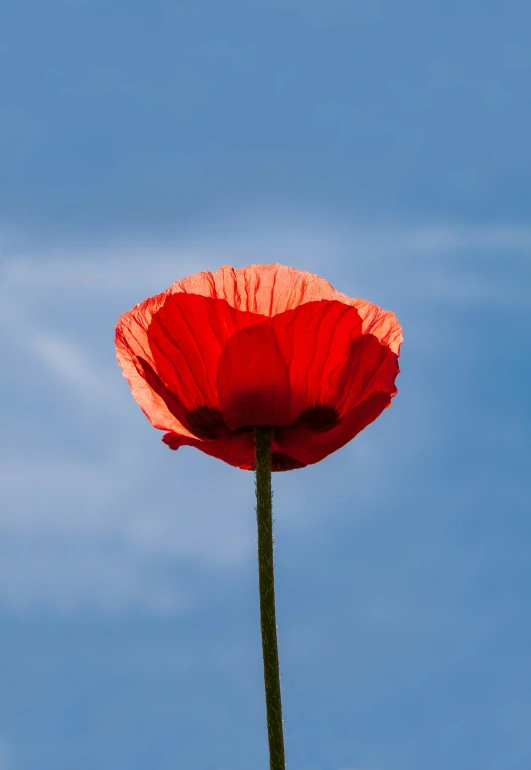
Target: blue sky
point(384, 147)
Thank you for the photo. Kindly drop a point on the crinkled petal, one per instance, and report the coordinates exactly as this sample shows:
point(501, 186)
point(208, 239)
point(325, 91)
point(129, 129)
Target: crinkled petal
point(131, 346)
point(273, 289)
point(370, 367)
point(260, 345)
point(270, 373)
point(168, 348)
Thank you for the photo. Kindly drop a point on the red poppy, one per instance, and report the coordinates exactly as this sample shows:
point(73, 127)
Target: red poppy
point(264, 345)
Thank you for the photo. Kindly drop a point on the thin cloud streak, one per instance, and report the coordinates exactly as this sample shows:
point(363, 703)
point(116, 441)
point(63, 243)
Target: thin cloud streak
point(418, 256)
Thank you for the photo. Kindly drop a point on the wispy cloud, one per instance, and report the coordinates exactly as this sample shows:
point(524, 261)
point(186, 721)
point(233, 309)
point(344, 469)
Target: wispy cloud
point(422, 258)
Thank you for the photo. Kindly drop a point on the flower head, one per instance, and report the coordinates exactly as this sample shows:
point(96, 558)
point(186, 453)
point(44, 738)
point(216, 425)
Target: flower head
point(266, 345)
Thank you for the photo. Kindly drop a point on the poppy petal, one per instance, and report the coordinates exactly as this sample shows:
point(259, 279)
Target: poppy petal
point(263, 289)
point(186, 337)
point(269, 374)
point(309, 446)
point(273, 289)
point(236, 450)
point(169, 353)
point(253, 379)
point(370, 367)
point(131, 345)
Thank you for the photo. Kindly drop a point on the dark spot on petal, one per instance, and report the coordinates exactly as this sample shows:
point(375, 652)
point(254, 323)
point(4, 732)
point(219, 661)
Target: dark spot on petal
point(283, 462)
point(208, 423)
point(319, 417)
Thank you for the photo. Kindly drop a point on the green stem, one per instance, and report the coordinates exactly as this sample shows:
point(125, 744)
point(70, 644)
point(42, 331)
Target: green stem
point(266, 581)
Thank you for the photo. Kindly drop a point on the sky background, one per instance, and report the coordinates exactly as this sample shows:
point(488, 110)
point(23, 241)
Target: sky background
point(384, 146)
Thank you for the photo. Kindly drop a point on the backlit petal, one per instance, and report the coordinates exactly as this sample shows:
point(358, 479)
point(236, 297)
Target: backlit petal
point(237, 450)
point(273, 289)
point(310, 446)
point(270, 373)
point(131, 345)
point(260, 345)
point(168, 349)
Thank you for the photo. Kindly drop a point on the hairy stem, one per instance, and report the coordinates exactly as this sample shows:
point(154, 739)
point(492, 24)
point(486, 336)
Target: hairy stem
point(266, 582)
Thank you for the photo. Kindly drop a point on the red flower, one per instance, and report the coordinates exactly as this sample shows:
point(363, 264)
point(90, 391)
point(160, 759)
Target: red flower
point(264, 345)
